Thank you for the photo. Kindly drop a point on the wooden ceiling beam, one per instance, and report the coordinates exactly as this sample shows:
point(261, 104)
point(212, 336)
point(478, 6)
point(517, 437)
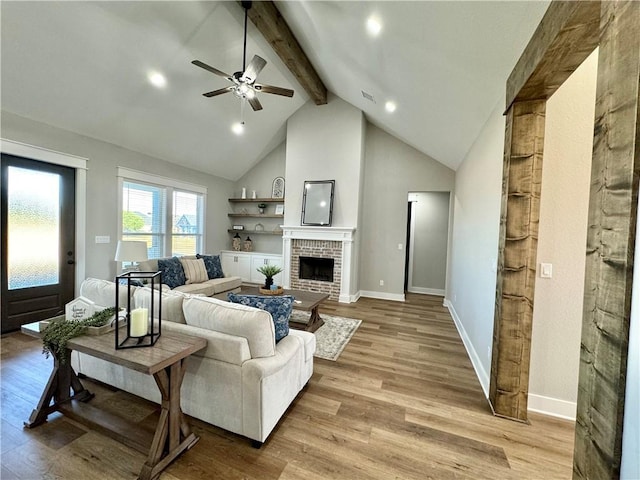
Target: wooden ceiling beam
point(567, 34)
point(266, 17)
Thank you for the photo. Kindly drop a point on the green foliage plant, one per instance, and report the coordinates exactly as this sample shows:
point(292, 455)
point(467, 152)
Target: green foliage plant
point(132, 222)
point(59, 332)
point(269, 270)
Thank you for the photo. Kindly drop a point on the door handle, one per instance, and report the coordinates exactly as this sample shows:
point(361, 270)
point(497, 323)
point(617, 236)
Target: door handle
point(70, 262)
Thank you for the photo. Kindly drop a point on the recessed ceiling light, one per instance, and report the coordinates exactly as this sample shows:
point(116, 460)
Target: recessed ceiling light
point(373, 26)
point(238, 128)
point(157, 79)
point(390, 107)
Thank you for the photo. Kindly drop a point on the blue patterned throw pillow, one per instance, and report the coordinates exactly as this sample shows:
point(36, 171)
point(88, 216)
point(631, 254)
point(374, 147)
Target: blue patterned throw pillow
point(278, 306)
point(213, 265)
point(172, 272)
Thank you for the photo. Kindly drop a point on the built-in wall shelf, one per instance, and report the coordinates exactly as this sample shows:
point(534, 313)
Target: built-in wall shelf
point(255, 232)
point(256, 200)
point(255, 215)
point(247, 214)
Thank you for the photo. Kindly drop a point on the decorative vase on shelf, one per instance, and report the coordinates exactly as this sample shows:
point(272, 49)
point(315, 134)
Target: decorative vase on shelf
point(236, 242)
point(261, 207)
point(248, 245)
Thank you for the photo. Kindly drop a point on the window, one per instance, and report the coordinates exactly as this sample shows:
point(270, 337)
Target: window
point(166, 214)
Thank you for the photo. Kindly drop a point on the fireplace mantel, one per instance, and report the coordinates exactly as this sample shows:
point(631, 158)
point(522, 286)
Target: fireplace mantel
point(344, 235)
point(336, 234)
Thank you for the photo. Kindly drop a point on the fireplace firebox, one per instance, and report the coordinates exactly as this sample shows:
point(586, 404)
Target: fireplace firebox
point(315, 268)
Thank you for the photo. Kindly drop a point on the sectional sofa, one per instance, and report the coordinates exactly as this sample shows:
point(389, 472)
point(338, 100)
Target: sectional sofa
point(242, 382)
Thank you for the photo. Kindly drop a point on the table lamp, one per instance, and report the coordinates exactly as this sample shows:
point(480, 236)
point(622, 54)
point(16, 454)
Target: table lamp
point(131, 252)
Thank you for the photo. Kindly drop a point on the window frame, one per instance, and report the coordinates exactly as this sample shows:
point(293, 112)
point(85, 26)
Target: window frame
point(170, 186)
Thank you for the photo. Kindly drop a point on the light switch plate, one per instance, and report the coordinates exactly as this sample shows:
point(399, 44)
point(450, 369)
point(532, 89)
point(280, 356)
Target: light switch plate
point(546, 270)
point(103, 239)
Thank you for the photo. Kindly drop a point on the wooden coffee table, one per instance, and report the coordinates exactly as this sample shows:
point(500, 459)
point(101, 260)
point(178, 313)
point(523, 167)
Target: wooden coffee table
point(305, 301)
point(165, 361)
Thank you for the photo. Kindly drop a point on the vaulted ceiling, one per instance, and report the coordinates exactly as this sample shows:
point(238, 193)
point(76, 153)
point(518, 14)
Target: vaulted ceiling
point(83, 67)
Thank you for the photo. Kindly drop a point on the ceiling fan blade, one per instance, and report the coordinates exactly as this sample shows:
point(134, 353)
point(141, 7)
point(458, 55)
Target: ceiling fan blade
point(255, 103)
point(253, 69)
point(220, 91)
point(209, 68)
point(285, 92)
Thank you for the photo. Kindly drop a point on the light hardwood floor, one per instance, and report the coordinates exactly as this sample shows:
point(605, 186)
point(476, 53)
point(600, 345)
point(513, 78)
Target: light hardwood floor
point(401, 402)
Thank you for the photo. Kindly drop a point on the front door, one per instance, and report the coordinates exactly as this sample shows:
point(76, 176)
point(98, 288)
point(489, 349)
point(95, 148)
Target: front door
point(38, 233)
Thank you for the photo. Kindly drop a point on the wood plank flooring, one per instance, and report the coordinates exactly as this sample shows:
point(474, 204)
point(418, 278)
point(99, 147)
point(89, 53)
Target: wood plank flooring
point(401, 402)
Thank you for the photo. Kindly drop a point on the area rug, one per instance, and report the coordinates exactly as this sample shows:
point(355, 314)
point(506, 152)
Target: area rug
point(333, 336)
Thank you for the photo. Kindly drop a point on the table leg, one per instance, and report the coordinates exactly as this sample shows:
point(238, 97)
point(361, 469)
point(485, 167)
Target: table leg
point(173, 434)
point(315, 321)
point(62, 381)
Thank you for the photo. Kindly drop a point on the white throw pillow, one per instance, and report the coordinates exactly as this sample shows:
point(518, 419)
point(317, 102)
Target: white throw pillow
point(194, 270)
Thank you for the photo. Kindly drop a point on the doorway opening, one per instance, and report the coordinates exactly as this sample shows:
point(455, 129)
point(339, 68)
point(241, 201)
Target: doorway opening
point(427, 243)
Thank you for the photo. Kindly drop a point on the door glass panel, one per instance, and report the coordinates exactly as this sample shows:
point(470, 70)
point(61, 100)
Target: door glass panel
point(33, 226)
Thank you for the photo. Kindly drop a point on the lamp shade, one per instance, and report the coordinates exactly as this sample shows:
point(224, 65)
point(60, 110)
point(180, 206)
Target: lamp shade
point(131, 251)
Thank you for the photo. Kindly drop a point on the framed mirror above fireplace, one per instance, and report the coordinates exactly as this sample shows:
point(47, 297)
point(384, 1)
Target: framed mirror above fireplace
point(317, 202)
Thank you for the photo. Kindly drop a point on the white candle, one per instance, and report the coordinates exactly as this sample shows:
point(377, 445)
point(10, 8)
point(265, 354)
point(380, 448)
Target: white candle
point(139, 321)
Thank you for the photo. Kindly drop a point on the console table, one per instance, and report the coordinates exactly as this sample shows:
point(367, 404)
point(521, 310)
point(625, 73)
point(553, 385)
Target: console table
point(165, 361)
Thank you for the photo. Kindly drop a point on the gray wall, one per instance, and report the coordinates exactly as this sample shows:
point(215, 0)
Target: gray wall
point(260, 178)
point(325, 143)
point(430, 241)
point(102, 191)
point(392, 169)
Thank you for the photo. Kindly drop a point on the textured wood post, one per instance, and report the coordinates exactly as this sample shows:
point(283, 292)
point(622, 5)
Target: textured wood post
point(610, 246)
point(518, 244)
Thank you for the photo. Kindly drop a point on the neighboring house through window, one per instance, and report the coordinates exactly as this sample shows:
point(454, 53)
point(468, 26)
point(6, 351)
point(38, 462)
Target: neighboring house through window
point(166, 214)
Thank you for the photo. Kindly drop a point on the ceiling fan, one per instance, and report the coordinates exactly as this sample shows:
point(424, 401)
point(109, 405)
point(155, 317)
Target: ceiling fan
point(244, 82)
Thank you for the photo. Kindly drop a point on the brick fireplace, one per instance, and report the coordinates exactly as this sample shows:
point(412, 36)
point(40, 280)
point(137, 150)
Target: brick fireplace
point(321, 244)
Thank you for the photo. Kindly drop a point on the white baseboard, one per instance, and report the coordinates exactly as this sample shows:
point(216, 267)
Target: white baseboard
point(481, 373)
point(346, 298)
point(551, 406)
point(426, 291)
point(396, 297)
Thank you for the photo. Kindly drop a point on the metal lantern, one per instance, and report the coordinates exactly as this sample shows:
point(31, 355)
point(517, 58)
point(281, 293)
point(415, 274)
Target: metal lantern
point(138, 327)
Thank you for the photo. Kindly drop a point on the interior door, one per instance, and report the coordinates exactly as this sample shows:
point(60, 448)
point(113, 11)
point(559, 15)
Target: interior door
point(38, 240)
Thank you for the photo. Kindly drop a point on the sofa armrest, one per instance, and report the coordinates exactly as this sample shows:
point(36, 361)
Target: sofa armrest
point(220, 346)
point(258, 368)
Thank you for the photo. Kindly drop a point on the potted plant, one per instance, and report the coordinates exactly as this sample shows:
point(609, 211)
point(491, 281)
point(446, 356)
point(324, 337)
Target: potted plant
point(261, 207)
point(269, 271)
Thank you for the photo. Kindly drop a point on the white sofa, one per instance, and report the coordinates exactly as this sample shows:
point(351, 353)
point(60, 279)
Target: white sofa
point(242, 382)
point(209, 287)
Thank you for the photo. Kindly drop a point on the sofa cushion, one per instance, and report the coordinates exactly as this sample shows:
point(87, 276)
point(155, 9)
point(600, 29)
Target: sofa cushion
point(213, 265)
point(278, 306)
point(203, 288)
point(194, 270)
point(251, 323)
point(171, 303)
point(103, 293)
point(150, 265)
point(225, 284)
point(172, 271)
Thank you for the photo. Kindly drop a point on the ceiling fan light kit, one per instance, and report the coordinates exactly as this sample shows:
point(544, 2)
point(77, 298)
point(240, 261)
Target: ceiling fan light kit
point(244, 82)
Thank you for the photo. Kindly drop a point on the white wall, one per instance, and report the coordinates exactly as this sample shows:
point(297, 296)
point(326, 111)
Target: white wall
point(562, 237)
point(474, 250)
point(260, 178)
point(430, 226)
point(102, 191)
point(325, 143)
point(392, 170)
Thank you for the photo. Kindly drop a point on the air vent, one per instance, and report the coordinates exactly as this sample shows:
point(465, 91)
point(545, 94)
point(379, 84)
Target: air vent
point(368, 96)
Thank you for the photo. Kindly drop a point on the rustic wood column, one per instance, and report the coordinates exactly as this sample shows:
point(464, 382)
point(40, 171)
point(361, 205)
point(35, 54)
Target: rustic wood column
point(610, 246)
point(518, 244)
